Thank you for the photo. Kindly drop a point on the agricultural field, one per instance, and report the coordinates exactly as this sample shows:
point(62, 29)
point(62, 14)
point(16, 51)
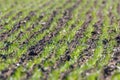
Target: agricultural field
point(59, 39)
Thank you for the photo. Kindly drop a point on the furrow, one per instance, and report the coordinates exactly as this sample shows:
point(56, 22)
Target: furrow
point(32, 51)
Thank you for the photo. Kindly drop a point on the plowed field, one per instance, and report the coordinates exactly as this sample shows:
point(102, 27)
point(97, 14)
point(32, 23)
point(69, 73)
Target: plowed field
point(59, 39)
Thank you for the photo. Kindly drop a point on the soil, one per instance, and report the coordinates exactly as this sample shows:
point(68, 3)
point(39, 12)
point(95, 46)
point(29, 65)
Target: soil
point(36, 50)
